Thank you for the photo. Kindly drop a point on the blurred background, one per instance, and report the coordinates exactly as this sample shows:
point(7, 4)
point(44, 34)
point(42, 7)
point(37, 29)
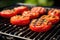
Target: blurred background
point(34, 2)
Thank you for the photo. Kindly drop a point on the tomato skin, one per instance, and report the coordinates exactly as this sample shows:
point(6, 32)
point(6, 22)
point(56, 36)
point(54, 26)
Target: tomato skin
point(32, 15)
point(19, 20)
point(54, 12)
point(45, 26)
point(7, 13)
point(39, 10)
point(42, 28)
point(20, 9)
point(52, 19)
point(26, 13)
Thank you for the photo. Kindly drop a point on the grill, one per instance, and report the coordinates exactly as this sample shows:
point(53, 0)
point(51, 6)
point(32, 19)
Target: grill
point(25, 33)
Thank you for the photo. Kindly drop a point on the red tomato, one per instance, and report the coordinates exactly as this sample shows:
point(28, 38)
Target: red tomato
point(26, 13)
point(53, 19)
point(19, 20)
point(54, 12)
point(32, 15)
point(7, 13)
point(39, 26)
point(40, 10)
point(20, 9)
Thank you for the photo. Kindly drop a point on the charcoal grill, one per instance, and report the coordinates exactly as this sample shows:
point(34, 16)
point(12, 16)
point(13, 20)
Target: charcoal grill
point(25, 33)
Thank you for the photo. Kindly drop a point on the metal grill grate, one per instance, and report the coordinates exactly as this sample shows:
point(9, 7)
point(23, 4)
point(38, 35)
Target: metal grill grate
point(25, 33)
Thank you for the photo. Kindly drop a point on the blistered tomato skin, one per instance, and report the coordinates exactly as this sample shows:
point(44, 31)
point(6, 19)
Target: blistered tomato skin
point(19, 20)
point(40, 26)
point(39, 10)
point(52, 19)
point(30, 14)
point(7, 13)
point(43, 28)
point(20, 9)
point(26, 13)
point(54, 12)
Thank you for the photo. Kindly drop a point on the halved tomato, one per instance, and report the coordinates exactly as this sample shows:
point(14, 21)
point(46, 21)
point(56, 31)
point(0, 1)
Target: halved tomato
point(19, 20)
point(54, 12)
point(7, 13)
point(41, 25)
point(26, 13)
point(20, 9)
point(32, 15)
point(51, 18)
point(39, 10)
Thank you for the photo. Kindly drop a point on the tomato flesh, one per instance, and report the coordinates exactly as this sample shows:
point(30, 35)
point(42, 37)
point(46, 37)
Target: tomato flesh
point(38, 27)
point(39, 10)
point(32, 15)
point(21, 9)
point(7, 13)
point(19, 20)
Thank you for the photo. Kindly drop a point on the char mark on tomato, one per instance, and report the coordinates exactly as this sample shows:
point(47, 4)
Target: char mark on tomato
point(39, 10)
point(7, 13)
point(20, 9)
point(54, 12)
point(19, 20)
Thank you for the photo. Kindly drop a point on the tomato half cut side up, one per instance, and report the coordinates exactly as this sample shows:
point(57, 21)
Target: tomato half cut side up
point(20, 9)
point(39, 10)
point(54, 12)
point(40, 26)
point(52, 19)
point(30, 14)
point(7, 13)
point(19, 20)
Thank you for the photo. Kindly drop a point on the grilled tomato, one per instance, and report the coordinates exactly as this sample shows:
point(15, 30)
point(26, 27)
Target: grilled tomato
point(40, 25)
point(51, 18)
point(32, 15)
point(19, 20)
point(39, 10)
point(7, 13)
point(20, 9)
point(54, 12)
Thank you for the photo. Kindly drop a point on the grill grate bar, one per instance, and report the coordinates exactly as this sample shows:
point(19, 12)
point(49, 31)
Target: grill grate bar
point(55, 34)
point(27, 34)
point(14, 35)
point(10, 29)
point(58, 38)
point(20, 30)
point(46, 33)
point(2, 26)
point(41, 36)
point(20, 34)
point(52, 33)
point(5, 28)
point(32, 35)
point(13, 31)
point(23, 34)
point(37, 36)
